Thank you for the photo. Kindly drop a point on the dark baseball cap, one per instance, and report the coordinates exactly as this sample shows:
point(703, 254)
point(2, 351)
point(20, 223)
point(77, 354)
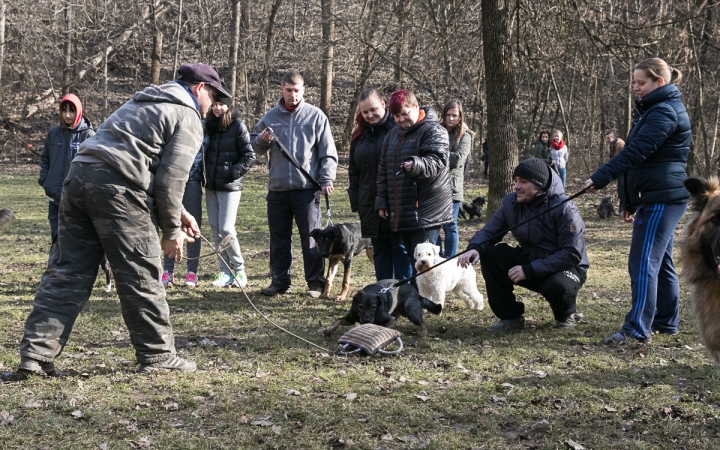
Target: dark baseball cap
point(202, 73)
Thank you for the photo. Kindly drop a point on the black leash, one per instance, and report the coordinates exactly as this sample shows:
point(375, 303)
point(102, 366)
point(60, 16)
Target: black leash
point(299, 167)
point(498, 235)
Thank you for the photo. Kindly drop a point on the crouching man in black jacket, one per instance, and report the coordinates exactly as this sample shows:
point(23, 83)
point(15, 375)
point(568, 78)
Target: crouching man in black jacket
point(551, 258)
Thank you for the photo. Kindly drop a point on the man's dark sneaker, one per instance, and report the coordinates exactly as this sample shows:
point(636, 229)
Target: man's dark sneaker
point(315, 290)
point(36, 367)
point(272, 290)
point(620, 337)
point(567, 323)
point(508, 324)
point(174, 363)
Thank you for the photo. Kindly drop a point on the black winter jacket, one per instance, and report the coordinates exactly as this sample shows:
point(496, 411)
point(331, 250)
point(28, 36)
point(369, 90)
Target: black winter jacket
point(554, 242)
point(61, 145)
point(228, 156)
point(654, 159)
point(420, 198)
point(363, 171)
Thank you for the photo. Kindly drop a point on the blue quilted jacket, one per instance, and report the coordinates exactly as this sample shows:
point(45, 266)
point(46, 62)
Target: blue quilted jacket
point(656, 151)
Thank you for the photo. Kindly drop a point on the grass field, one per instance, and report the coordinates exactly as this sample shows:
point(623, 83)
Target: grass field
point(256, 387)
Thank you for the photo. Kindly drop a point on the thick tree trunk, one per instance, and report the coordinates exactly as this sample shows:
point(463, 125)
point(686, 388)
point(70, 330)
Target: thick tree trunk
point(67, 70)
point(500, 93)
point(261, 98)
point(2, 42)
point(328, 37)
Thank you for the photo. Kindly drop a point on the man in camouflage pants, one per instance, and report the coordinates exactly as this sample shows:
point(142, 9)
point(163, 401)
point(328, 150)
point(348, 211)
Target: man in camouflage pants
point(140, 156)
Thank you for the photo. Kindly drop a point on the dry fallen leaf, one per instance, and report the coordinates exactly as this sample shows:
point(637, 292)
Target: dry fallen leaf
point(496, 399)
point(243, 419)
point(610, 409)
point(77, 414)
point(276, 429)
point(351, 396)
point(386, 437)
point(34, 404)
point(5, 418)
point(572, 445)
point(261, 423)
point(172, 406)
point(292, 392)
point(539, 373)
point(423, 383)
point(422, 398)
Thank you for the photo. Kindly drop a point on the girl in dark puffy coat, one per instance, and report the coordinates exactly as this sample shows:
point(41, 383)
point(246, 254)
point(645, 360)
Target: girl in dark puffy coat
point(227, 158)
point(652, 165)
point(373, 122)
point(413, 185)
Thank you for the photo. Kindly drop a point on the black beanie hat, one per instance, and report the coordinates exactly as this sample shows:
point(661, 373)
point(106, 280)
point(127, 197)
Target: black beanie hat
point(534, 170)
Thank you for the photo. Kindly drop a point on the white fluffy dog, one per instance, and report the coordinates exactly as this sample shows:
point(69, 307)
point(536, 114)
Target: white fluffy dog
point(448, 277)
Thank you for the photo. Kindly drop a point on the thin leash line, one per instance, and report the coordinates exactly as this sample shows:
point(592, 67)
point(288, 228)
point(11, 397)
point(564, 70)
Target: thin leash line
point(500, 234)
point(256, 308)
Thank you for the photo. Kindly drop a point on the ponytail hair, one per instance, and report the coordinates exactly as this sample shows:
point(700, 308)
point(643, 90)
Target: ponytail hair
point(657, 68)
point(360, 123)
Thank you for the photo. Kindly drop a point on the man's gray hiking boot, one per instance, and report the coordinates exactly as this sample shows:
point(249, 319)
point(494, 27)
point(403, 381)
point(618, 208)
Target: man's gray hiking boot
point(35, 367)
point(174, 363)
point(567, 323)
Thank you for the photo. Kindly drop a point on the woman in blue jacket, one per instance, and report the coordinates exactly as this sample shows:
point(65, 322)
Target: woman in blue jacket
point(653, 168)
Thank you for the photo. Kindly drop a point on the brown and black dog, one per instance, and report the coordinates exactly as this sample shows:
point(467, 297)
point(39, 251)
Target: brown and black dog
point(371, 305)
point(701, 260)
point(338, 243)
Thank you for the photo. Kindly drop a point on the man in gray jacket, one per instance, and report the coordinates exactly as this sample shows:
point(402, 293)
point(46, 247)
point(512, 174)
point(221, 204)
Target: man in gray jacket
point(305, 132)
point(551, 258)
point(135, 166)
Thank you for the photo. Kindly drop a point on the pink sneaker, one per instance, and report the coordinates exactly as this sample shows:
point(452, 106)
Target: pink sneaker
point(168, 279)
point(191, 279)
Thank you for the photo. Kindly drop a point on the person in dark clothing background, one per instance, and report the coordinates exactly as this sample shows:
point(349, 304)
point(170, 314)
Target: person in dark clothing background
point(373, 122)
point(551, 258)
point(541, 149)
point(61, 145)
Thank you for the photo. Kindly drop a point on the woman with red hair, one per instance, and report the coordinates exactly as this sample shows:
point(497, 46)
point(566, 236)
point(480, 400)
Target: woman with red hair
point(413, 185)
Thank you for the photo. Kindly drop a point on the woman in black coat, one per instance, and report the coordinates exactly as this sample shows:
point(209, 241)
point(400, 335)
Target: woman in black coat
point(227, 158)
point(373, 122)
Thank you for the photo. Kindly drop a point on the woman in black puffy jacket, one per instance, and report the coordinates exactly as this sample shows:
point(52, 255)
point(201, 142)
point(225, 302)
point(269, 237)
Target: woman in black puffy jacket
point(373, 122)
point(413, 186)
point(227, 158)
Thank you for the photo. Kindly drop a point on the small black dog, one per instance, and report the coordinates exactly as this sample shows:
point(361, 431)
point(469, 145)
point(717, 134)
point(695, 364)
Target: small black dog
point(337, 243)
point(371, 306)
point(473, 209)
point(606, 209)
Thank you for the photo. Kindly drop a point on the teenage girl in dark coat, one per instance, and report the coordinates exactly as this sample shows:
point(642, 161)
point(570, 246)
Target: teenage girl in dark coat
point(227, 158)
point(653, 167)
point(373, 121)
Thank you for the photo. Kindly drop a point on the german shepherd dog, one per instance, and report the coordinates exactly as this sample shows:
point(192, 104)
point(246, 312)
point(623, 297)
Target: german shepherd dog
point(338, 243)
point(701, 260)
point(370, 305)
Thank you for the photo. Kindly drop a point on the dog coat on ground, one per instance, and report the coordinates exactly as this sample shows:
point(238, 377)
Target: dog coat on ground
point(445, 278)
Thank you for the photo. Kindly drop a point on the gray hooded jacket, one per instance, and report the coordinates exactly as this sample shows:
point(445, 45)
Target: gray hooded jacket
point(306, 134)
point(554, 242)
point(152, 141)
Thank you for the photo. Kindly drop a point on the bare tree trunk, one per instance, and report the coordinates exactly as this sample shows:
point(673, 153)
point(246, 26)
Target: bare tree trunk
point(67, 72)
point(500, 92)
point(156, 55)
point(402, 47)
point(261, 97)
point(2, 42)
point(177, 41)
point(627, 119)
point(106, 54)
point(234, 47)
point(328, 38)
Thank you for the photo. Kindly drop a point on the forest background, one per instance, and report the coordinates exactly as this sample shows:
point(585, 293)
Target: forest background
point(518, 66)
